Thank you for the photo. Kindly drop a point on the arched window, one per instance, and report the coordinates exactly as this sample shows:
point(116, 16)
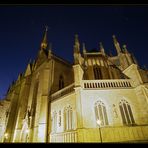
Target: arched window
point(100, 113)
point(97, 72)
point(126, 113)
point(61, 82)
point(68, 118)
point(54, 121)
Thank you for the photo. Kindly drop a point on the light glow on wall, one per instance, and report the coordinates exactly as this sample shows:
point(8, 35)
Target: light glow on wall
point(6, 135)
point(99, 122)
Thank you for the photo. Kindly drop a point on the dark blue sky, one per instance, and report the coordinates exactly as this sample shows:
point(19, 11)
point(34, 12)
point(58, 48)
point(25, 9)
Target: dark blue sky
point(22, 27)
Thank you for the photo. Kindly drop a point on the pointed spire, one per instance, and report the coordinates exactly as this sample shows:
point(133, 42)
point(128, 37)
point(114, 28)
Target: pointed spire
point(19, 77)
point(28, 70)
point(116, 44)
point(102, 48)
point(44, 41)
point(77, 54)
point(84, 49)
point(114, 39)
point(76, 44)
point(76, 39)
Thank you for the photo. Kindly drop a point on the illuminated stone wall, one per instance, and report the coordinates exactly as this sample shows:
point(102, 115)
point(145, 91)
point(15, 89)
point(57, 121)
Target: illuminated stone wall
point(4, 110)
point(88, 130)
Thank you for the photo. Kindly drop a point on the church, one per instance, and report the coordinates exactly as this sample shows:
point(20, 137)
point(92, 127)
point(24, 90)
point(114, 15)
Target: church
point(99, 98)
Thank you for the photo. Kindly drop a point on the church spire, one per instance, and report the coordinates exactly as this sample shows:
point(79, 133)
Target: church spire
point(44, 41)
point(116, 44)
point(102, 48)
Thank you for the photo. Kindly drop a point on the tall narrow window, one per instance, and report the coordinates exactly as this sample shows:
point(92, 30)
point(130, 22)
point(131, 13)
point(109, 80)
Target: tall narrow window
point(100, 113)
point(61, 82)
point(54, 121)
point(126, 113)
point(59, 118)
point(97, 72)
point(68, 118)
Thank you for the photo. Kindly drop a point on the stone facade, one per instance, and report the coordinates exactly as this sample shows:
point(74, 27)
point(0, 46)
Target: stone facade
point(4, 111)
point(99, 98)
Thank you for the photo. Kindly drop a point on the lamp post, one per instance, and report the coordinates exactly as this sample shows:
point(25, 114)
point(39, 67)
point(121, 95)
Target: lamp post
point(99, 123)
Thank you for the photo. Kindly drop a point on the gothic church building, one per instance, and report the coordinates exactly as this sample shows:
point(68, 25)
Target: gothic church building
point(98, 98)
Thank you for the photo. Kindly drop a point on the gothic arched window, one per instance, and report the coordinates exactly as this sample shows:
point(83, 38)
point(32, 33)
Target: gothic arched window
point(100, 113)
point(68, 118)
point(54, 121)
point(126, 113)
point(97, 72)
point(61, 82)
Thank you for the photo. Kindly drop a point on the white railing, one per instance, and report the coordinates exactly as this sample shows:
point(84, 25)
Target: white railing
point(94, 84)
point(66, 90)
point(70, 136)
point(99, 84)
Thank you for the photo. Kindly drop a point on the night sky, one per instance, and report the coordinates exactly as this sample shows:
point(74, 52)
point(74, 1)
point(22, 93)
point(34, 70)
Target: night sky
point(22, 28)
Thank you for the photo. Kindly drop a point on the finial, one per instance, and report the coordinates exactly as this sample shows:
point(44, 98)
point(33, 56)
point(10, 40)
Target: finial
point(76, 44)
point(76, 38)
point(114, 36)
point(117, 45)
point(84, 49)
point(46, 28)
point(83, 44)
point(124, 48)
point(114, 39)
point(102, 48)
point(101, 45)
